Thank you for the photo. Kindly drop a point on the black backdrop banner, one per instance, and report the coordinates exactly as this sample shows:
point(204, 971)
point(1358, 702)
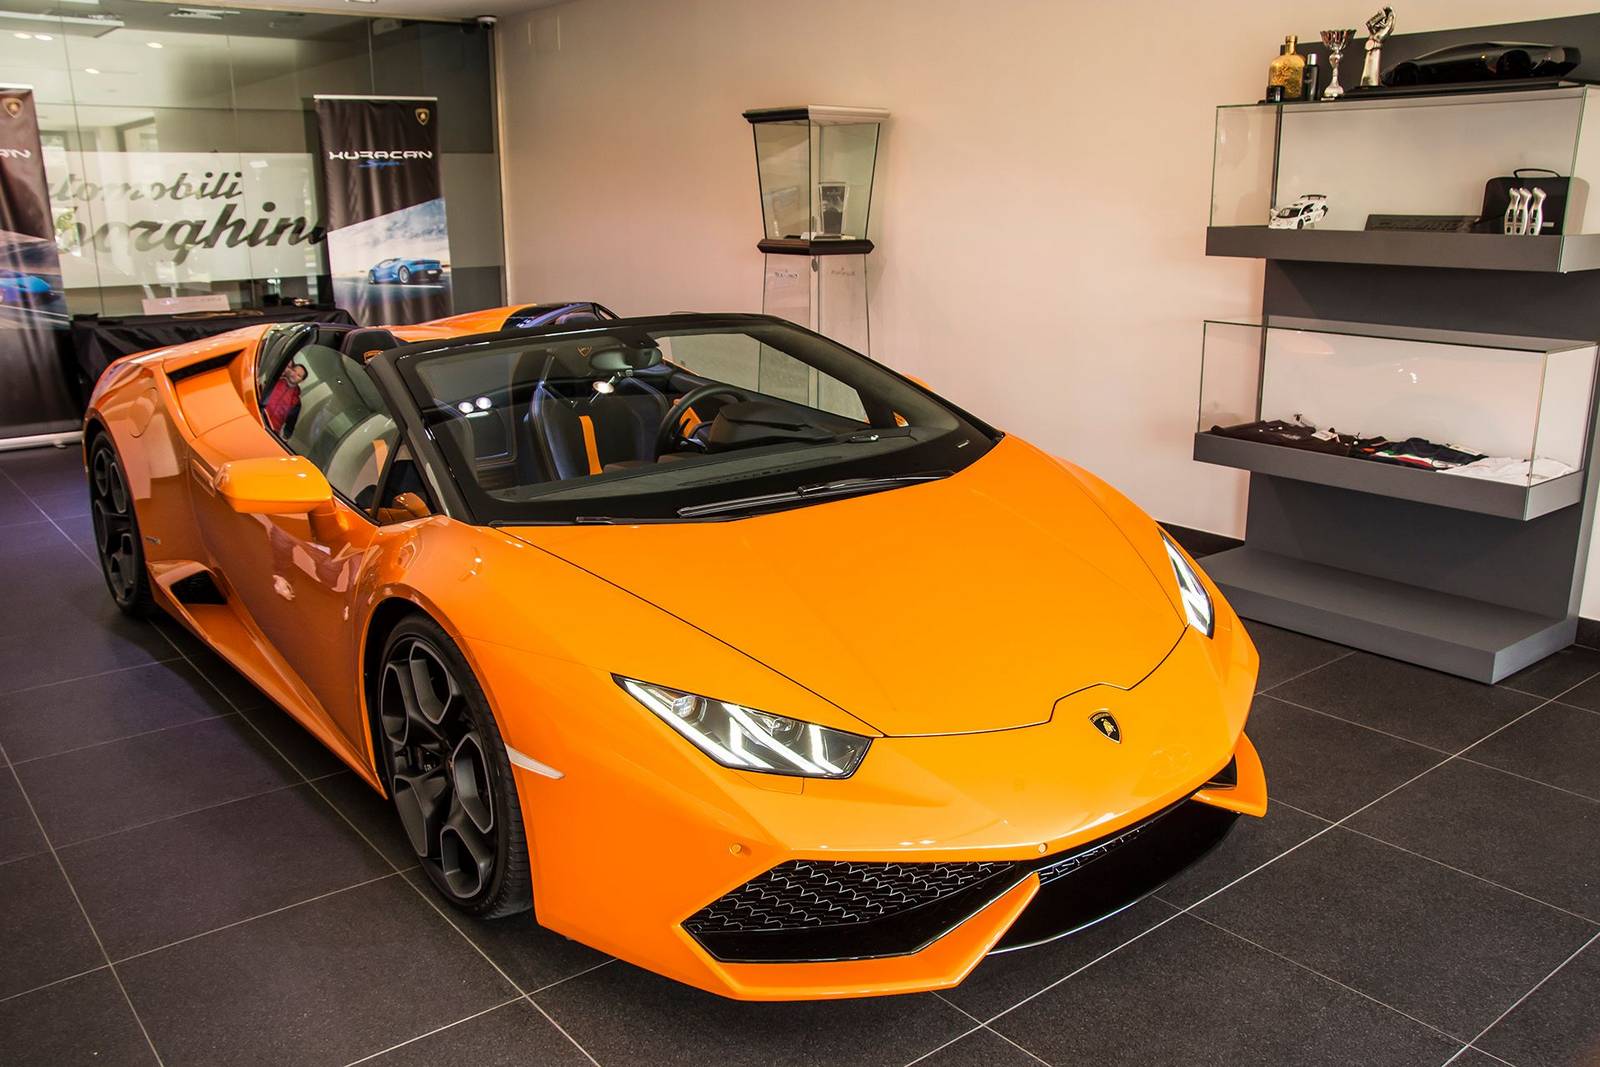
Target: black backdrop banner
point(35, 394)
point(388, 242)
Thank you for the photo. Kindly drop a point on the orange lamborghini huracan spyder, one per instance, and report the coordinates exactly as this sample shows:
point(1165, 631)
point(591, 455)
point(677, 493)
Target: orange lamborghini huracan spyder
point(730, 651)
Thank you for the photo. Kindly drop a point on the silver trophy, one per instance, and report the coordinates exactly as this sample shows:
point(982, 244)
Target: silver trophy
point(1379, 26)
point(1337, 41)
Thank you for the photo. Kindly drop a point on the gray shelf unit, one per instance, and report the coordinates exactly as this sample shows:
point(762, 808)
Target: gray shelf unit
point(1467, 579)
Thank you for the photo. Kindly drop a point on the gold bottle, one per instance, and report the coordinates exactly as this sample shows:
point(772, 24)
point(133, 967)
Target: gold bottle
point(1288, 70)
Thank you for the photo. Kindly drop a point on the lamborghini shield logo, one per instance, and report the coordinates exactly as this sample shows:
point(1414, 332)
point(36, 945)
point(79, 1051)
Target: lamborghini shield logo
point(423, 115)
point(13, 107)
point(1106, 723)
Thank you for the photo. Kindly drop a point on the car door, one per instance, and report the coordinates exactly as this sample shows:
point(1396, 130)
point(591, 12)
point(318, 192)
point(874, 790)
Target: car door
point(296, 576)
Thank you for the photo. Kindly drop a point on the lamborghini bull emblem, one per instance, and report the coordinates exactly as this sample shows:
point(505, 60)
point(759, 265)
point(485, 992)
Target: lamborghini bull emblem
point(13, 107)
point(1106, 723)
point(423, 115)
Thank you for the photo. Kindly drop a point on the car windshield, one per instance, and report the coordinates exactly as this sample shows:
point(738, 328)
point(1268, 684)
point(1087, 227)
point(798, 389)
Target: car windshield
point(675, 419)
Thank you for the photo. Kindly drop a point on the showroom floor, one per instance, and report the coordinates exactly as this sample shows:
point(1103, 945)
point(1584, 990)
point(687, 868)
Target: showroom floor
point(186, 878)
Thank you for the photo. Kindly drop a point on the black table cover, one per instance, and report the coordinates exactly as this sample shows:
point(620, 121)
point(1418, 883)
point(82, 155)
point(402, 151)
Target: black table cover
point(96, 341)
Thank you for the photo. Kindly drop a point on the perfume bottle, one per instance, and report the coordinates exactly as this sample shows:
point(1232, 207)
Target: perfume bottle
point(1288, 70)
point(1311, 79)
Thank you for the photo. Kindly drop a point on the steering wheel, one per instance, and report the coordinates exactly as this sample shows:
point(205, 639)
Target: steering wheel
point(668, 439)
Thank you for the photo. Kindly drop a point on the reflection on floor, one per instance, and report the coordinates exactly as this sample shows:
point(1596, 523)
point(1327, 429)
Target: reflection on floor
point(185, 874)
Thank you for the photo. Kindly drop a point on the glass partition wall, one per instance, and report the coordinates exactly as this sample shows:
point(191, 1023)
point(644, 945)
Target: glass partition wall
point(179, 143)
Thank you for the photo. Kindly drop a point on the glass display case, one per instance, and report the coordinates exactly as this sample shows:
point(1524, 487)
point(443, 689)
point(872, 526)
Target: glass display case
point(814, 169)
point(1415, 180)
point(1481, 422)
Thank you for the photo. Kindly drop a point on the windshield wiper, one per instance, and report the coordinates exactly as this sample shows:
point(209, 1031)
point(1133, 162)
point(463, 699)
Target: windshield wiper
point(817, 491)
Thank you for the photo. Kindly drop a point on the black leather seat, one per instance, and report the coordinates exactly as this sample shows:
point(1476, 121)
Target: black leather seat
point(367, 341)
point(582, 437)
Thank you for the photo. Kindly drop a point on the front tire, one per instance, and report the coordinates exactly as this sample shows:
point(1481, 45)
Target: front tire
point(116, 532)
point(372, 277)
point(405, 275)
point(449, 775)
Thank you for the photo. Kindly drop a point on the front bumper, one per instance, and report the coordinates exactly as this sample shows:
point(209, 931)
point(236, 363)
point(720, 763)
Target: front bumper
point(641, 834)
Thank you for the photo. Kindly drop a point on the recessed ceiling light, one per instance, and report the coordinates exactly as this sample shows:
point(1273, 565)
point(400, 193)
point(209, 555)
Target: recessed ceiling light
point(43, 37)
point(23, 36)
point(153, 44)
point(90, 70)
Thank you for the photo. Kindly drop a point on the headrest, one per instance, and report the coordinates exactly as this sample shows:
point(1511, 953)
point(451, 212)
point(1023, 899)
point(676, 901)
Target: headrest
point(364, 343)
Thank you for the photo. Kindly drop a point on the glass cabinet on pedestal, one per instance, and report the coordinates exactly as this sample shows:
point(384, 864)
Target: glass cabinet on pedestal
point(814, 167)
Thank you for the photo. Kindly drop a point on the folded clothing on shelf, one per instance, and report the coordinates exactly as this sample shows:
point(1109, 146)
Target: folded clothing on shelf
point(1515, 471)
point(1417, 452)
point(1290, 435)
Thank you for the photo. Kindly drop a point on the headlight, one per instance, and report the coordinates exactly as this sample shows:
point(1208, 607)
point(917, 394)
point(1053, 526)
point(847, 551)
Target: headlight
point(751, 740)
point(1196, 601)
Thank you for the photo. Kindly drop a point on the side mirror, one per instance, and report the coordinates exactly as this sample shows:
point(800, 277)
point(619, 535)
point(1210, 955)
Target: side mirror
point(286, 485)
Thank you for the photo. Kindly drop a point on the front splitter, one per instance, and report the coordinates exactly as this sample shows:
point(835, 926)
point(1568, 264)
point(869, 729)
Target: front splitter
point(1164, 846)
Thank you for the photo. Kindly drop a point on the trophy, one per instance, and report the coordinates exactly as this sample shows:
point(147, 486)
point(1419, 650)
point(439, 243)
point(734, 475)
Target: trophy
point(1337, 41)
point(1379, 26)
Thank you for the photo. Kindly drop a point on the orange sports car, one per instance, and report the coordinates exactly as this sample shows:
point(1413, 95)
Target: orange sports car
point(731, 652)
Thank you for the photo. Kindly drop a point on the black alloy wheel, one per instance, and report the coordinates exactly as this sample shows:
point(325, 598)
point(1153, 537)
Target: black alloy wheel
point(449, 775)
point(116, 531)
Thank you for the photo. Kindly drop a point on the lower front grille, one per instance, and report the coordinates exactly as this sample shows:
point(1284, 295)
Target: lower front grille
point(817, 910)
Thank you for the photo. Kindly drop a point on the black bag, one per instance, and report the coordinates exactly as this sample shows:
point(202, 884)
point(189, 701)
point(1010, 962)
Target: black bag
point(1497, 197)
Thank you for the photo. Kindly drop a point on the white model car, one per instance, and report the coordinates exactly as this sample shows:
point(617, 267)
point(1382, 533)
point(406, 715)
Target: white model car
point(1303, 214)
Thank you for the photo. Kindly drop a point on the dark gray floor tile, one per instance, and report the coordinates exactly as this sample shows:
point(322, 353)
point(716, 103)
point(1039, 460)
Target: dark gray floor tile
point(57, 641)
point(323, 983)
point(1558, 1025)
point(515, 1035)
point(530, 954)
point(1326, 766)
point(15, 507)
point(1556, 674)
point(1251, 843)
point(1521, 834)
point(83, 1021)
point(1437, 944)
point(1471, 1057)
point(153, 885)
point(35, 544)
point(1189, 993)
point(125, 783)
point(105, 707)
point(79, 530)
point(624, 1015)
point(1286, 654)
point(294, 742)
point(1000, 982)
point(1556, 744)
point(41, 927)
point(48, 469)
point(19, 831)
point(1413, 702)
point(1585, 696)
point(371, 813)
point(65, 502)
point(981, 1048)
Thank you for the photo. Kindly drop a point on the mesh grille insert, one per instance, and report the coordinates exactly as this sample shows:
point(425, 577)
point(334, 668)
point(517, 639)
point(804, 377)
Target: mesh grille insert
point(815, 893)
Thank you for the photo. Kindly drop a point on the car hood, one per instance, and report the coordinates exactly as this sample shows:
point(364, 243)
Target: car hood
point(969, 604)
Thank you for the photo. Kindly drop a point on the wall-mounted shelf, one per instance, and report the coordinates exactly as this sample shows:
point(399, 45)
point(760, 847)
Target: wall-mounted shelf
point(1406, 155)
point(1464, 494)
point(1408, 248)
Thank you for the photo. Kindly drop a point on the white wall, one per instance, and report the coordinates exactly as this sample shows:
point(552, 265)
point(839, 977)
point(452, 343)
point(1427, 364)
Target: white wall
point(1040, 210)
